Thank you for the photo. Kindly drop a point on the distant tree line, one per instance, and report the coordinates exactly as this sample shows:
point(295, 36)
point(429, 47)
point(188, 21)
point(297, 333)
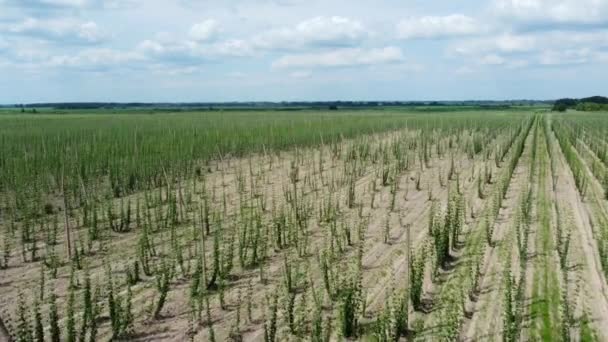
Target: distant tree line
point(283, 105)
point(593, 103)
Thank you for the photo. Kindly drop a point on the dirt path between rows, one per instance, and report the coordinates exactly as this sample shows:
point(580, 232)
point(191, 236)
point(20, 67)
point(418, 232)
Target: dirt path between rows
point(594, 293)
point(449, 280)
point(487, 310)
point(4, 336)
point(531, 254)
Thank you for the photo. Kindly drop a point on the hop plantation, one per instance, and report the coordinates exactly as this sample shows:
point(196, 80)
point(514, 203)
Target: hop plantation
point(374, 225)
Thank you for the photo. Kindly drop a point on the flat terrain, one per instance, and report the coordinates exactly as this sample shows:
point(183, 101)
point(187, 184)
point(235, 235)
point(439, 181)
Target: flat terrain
point(275, 226)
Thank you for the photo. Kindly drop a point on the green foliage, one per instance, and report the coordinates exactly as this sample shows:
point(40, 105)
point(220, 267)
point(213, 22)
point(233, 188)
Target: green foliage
point(350, 304)
point(87, 305)
point(510, 332)
point(591, 107)
point(163, 281)
point(209, 320)
point(417, 279)
point(593, 103)
point(446, 235)
point(270, 325)
point(132, 158)
point(95, 313)
point(24, 329)
point(127, 320)
point(172, 221)
point(38, 324)
point(55, 332)
point(70, 310)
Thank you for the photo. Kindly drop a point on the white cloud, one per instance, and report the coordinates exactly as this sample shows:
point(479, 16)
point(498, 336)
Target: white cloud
point(151, 46)
point(565, 57)
point(431, 27)
point(30, 55)
point(205, 30)
point(464, 70)
point(537, 48)
point(59, 3)
point(602, 57)
point(193, 52)
point(530, 42)
point(517, 64)
point(175, 71)
point(300, 74)
point(237, 74)
point(556, 11)
point(596, 38)
point(90, 32)
point(492, 60)
point(179, 52)
point(514, 43)
point(232, 47)
point(318, 31)
point(95, 59)
point(504, 43)
point(68, 4)
point(66, 30)
point(341, 58)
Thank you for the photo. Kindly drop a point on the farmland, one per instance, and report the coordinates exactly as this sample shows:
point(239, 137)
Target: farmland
point(379, 225)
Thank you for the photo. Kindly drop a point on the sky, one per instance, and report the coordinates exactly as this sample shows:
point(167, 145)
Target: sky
point(301, 50)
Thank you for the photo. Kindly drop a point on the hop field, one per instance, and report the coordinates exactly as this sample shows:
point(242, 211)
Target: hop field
point(381, 225)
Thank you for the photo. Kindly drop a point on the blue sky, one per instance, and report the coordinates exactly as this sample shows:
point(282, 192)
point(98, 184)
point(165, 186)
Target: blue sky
point(257, 50)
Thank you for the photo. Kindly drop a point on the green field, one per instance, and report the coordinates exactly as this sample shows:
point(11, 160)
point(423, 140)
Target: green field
point(425, 224)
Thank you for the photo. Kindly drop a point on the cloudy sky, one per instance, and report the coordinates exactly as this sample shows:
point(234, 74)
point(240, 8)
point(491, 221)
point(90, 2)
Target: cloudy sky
point(226, 50)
